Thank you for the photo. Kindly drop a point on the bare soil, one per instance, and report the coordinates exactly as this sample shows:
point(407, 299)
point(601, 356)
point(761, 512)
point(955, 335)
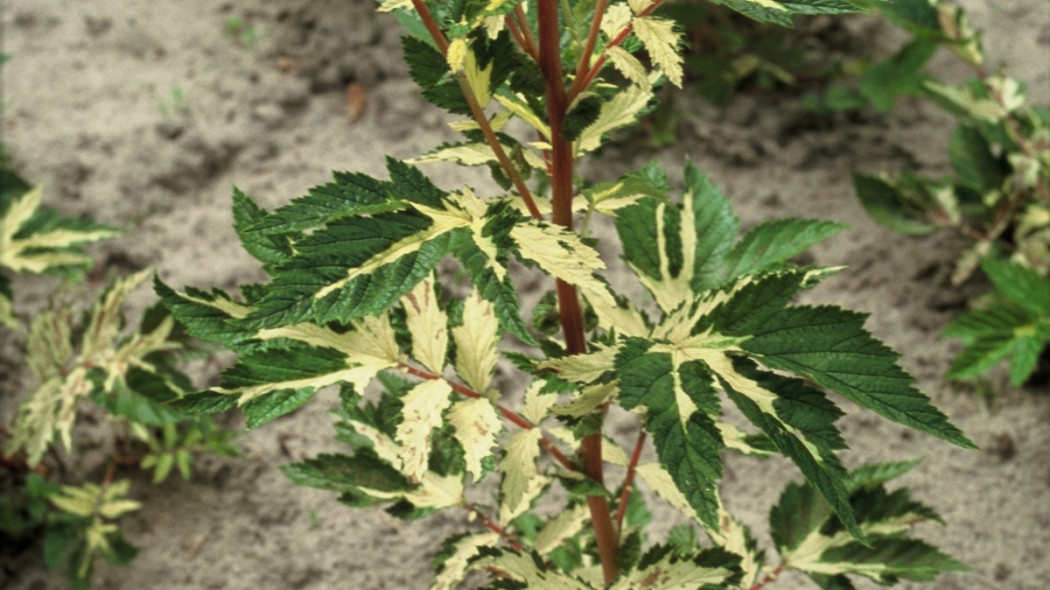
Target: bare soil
point(144, 114)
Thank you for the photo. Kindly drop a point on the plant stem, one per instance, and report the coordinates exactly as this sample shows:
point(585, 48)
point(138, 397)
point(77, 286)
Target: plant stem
point(592, 40)
point(770, 577)
point(582, 82)
point(628, 481)
point(479, 115)
point(494, 527)
point(562, 168)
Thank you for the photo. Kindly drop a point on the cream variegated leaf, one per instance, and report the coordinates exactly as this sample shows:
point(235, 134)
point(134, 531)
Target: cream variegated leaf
point(42, 250)
point(476, 424)
point(566, 525)
point(621, 110)
point(455, 566)
point(524, 568)
point(617, 18)
point(537, 405)
point(671, 572)
point(478, 79)
point(583, 368)
point(369, 347)
point(661, 41)
point(49, 347)
point(589, 399)
point(457, 55)
point(660, 482)
point(519, 469)
point(625, 320)
point(637, 6)
point(519, 107)
point(628, 65)
point(422, 411)
point(563, 255)
point(106, 319)
point(428, 325)
point(49, 411)
point(477, 343)
point(392, 5)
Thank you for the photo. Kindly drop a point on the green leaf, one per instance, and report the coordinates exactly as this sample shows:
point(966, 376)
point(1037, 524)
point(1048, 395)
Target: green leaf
point(262, 409)
point(269, 248)
point(774, 242)
point(344, 473)
point(1022, 286)
point(208, 316)
point(888, 206)
point(348, 195)
point(974, 162)
point(830, 346)
point(900, 74)
point(687, 441)
point(430, 70)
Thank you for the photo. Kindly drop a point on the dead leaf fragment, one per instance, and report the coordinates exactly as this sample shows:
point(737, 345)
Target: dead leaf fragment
point(356, 101)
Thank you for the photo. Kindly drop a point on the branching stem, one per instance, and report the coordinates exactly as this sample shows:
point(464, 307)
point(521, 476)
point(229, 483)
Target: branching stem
point(628, 481)
point(770, 577)
point(502, 532)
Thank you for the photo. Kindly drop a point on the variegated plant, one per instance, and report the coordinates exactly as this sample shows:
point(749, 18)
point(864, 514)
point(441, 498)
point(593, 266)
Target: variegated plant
point(357, 299)
point(72, 363)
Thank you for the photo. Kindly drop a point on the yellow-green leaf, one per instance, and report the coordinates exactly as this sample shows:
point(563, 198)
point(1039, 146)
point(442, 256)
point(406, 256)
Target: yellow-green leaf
point(661, 41)
point(564, 526)
point(563, 255)
point(455, 566)
point(619, 111)
point(519, 467)
point(477, 343)
point(628, 65)
point(428, 325)
point(476, 425)
point(424, 404)
point(617, 18)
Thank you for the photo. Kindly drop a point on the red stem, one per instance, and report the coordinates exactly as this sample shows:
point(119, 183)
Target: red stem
point(771, 577)
point(582, 82)
point(568, 301)
point(628, 481)
point(494, 527)
point(588, 49)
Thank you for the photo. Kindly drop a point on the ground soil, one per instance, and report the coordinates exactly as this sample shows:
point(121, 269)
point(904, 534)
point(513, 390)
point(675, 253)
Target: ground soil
point(144, 114)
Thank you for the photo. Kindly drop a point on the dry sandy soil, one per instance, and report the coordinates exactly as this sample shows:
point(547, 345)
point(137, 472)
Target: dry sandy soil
point(144, 114)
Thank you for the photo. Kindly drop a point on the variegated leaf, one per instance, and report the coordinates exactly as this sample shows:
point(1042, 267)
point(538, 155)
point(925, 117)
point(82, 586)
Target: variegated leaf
point(477, 343)
point(519, 468)
point(476, 425)
point(428, 326)
point(423, 407)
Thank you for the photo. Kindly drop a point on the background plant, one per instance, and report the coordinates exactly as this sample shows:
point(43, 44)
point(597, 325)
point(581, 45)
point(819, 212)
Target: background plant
point(998, 195)
point(354, 299)
point(129, 376)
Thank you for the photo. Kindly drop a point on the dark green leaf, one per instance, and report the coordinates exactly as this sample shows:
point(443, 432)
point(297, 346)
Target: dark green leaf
point(830, 347)
point(888, 207)
point(973, 161)
point(264, 408)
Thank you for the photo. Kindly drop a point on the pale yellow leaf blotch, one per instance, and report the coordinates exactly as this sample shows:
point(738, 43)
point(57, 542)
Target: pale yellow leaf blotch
point(392, 5)
point(517, 105)
point(637, 6)
point(476, 424)
point(537, 405)
point(661, 41)
point(672, 573)
point(457, 55)
point(628, 65)
point(619, 111)
point(424, 404)
point(455, 566)
point(563, 255)
point(626, 321)
point(519, 468)
point(477, 343)
point(583, 368)
point(617, 18)
point(660, 482)
point(428, 325)
point(565, 525)
point(478, 79)
point(106, 319)
point(588, 400)
point(521, 567)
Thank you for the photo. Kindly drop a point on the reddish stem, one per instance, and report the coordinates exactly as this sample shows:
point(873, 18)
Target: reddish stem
point(628, 481)
point(582, 82)
point(770, 577)
point(431, 25)
point(530, 41)
point(588, 49)
point(494, 527)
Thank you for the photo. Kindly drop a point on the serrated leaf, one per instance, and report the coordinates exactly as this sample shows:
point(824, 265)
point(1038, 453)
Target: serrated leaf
point(563, 255)
point(455, 565)
point(830, 346)
point(686, 440)
point(1023, 286)
point(628, 65)
point(422, 411)
point(564, 526)
point(519, 467)
point(208, 316)
point(264, 408)
point(619, 111)
point(428, 325)
point(477, 343)
point(430, 70)
point(476, 425)
point(37, 240)
point(773, 242)
point(270, 248)
point(529, 569)
point(661, 42)
point(662, 568)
